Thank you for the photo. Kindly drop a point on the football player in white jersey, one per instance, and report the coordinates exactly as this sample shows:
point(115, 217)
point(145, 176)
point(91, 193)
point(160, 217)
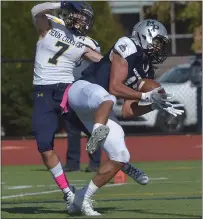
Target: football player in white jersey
point(62, 43)
point(61, 46)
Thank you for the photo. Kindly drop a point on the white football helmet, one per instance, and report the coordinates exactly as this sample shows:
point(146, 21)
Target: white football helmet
point(153, 38)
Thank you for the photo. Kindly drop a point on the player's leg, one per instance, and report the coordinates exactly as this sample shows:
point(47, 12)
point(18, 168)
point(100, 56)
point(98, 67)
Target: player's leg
point(100, 129)
point(103, 112)
point(138, 175)
point(114, 145)
point(73, 150)
point(85, 98)
point(94, 161)
point(96, 102)
point(132, 108)
point(45, 125)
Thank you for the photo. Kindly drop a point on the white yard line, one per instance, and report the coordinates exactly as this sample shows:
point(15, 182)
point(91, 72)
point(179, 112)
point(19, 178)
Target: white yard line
point(46, 192)
point(152, 180)
point(182, 181)
point(54, 185)
point(29, 194)
point(19, 187)
point(34, 186)
point(159, 178)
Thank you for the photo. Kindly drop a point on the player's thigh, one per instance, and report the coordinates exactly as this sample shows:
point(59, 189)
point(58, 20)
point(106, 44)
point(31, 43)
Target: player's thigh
point(86, 97)
point(114, 144)
point(44, 121)
point(72, 119)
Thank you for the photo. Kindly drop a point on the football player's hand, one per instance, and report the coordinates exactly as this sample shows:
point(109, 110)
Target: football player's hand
point(148, 96)
point(162, 102)
point(171, 108)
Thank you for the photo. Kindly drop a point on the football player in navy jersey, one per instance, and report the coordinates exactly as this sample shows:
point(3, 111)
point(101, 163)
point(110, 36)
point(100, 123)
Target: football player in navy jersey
point(117, 75)
point(121, 70)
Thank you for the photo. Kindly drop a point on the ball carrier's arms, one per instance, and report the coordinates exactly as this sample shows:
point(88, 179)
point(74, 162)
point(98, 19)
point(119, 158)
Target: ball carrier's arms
point(92, 55)
point(134, 108)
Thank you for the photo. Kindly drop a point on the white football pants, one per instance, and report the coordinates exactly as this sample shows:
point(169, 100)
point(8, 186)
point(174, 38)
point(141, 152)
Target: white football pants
point(84, 98)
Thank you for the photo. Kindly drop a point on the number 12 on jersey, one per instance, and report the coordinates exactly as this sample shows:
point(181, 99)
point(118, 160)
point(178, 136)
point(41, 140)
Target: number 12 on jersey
point(64, 46)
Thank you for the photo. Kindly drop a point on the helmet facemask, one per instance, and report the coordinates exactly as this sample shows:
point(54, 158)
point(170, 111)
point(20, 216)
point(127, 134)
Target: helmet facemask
point(79, 22)
point(158, 49)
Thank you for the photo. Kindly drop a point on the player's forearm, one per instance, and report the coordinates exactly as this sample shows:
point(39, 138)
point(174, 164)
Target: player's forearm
point(93, 56)
point(132, 109)
point(40, 8)
point(124, 92)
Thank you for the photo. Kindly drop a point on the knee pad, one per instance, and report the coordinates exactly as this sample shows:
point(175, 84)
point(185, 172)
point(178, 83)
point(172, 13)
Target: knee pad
point(122, 156)
point(110, 97)
point(102, 96)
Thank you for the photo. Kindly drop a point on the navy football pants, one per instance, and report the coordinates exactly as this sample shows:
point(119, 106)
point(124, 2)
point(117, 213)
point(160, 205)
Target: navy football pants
point(46, 110)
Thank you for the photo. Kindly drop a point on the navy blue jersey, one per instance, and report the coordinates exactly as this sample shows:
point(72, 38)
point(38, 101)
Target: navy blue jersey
point(139, 65)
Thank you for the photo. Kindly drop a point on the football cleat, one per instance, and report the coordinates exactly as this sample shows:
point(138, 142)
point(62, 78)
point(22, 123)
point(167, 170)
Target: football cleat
point(138, 175)
point(97, 136)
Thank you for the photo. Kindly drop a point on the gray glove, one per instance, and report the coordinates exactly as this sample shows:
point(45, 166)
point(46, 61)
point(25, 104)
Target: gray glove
point(148, 96)
point(162, 102)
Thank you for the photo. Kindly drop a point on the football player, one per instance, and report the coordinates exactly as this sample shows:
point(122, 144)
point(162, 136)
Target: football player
point(117, 75)
point(62, 43)
point(62, 46)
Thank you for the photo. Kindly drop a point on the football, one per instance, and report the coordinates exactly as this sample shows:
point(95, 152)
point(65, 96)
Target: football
point(130, 108)
point(146, 85)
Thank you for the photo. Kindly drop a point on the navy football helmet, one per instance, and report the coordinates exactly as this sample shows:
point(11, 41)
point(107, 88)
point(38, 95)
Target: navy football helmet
point(78, 16)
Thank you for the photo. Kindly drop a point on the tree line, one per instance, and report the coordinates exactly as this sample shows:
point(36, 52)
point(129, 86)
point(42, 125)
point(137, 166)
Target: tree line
point(19, 38)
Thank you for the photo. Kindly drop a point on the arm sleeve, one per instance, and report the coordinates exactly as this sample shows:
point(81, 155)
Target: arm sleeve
point(92, 44)
point(43, 7)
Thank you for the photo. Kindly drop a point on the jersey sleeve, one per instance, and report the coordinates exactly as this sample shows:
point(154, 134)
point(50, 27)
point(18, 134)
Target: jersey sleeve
point(125, 47)
point(93, 44)
point(129, 50)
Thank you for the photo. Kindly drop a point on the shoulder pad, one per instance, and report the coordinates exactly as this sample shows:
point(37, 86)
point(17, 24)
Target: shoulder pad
point(55, 19)
point(125, 47)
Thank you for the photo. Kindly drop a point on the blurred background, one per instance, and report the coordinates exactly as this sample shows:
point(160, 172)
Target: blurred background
point(180, 74)
point(167, 148)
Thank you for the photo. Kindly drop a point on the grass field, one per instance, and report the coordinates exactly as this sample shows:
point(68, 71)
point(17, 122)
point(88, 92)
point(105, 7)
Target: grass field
point(173, 192)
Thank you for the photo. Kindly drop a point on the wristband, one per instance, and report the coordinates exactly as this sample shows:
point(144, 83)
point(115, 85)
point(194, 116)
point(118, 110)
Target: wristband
point(143, 96)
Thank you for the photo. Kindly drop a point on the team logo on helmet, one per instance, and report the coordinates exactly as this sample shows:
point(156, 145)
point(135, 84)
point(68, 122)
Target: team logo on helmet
point(153, 25)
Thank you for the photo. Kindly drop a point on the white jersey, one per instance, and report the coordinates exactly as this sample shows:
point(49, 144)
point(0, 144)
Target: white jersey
point(58, 53)
point(83, 64)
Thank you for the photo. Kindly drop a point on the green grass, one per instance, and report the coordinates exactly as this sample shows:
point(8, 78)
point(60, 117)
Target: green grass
point(174, 192)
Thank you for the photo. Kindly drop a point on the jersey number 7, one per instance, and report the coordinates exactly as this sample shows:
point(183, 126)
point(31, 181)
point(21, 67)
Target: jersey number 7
point(64, 46)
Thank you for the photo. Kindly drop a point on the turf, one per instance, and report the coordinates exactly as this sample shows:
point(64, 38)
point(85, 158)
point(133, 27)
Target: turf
point(173, 192)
